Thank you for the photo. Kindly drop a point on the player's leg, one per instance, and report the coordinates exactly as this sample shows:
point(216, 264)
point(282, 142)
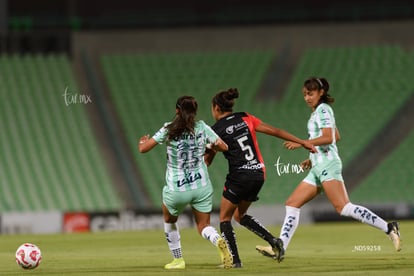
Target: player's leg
point(172, 235)
point(227, 209)
point(210, 233)
point(303, 193)
point(336, 193)
point(252, 224)
point(202, 204)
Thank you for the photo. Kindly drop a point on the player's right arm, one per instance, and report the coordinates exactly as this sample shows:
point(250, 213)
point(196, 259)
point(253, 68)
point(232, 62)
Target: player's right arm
point(146, 144)
point(325, 139)
point(283, 134)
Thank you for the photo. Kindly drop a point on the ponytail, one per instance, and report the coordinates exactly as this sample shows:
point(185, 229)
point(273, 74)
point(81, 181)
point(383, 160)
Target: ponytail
point(225, 99)
point(184, 120)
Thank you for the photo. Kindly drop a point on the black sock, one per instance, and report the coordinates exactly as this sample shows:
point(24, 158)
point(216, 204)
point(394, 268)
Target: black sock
point(256, 227)
point(228, 234)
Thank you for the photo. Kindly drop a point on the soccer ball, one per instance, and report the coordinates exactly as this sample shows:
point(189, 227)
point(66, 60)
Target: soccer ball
point(28, 256)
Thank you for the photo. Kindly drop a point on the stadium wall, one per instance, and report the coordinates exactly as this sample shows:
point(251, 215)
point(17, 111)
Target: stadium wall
point(48, 222)
point(297, 36)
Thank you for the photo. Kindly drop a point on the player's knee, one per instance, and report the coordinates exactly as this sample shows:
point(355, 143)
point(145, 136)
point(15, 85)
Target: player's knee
point(170, 219)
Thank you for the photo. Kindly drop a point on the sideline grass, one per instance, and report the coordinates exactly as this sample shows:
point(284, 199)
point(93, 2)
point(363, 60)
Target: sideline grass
point(345, 248)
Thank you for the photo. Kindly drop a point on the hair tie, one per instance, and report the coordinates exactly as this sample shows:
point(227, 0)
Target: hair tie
point(320, 83)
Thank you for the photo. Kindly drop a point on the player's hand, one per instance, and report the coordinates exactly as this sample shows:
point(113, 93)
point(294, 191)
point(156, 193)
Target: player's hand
point(307, 145)
point(144, 138)
point(306, 165)
point(291, 145)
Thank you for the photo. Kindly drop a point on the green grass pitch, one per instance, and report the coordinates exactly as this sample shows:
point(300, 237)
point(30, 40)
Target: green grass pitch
point(342, 248)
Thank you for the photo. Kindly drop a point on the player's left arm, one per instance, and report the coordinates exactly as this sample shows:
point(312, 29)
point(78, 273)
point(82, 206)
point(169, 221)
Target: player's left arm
point(306, 164)
point(146, 144)
point(337, 135)
point(220, 145)
point(326, 122)
point(212, 149)
point(326, 138)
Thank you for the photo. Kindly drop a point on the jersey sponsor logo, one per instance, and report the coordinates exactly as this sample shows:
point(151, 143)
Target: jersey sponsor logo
point(189, 178)
point(188, 136)
point(232, 128)
point(252, 167)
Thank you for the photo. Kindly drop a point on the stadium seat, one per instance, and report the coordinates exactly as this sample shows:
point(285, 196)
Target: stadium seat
point(363, 79)
point(146, 87)
point(50, 159)
point(392, 181)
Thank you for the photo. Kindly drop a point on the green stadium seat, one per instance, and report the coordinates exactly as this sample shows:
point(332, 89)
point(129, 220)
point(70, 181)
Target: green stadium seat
point(392, 181)
point(50, 159)
point(146, 86)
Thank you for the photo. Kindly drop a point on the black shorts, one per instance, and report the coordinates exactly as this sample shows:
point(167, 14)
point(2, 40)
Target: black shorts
point(243, 187)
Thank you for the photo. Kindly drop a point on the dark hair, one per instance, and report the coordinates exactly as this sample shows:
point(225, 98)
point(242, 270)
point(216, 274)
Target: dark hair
point(314, 83)
point(225, 99)
point(184, 120)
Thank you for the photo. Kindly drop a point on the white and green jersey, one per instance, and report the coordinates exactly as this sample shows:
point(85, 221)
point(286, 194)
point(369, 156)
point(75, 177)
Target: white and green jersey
point(186, 169)
point(322, 117)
